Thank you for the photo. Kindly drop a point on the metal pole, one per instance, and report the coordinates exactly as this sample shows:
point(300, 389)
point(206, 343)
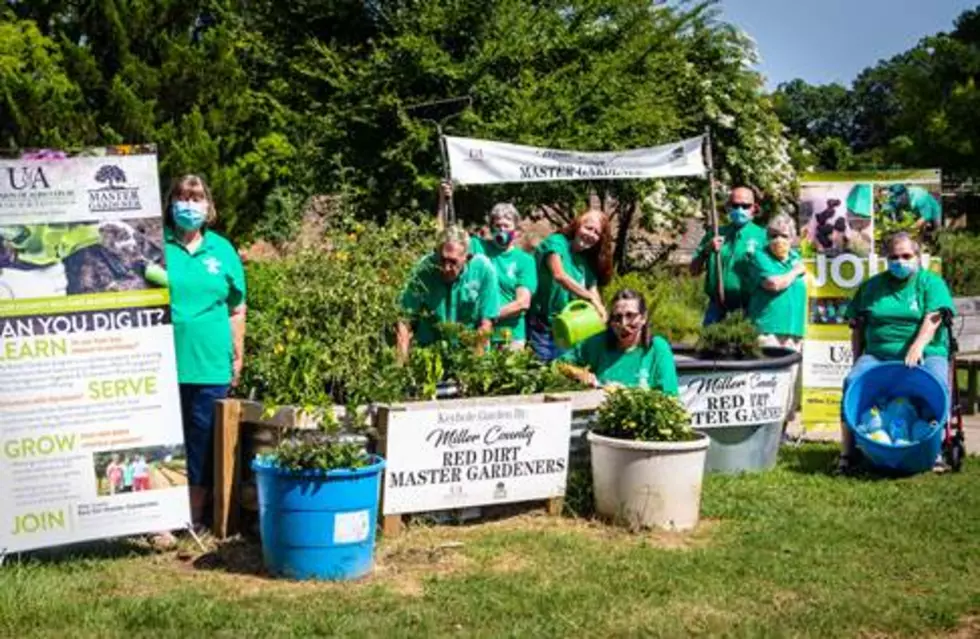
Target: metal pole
point(714, 214)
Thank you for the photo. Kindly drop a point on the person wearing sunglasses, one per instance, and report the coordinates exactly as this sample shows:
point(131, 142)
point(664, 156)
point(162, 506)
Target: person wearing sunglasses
point(626, 354)
point(736, 242)
point(449, 285)
point(896, 315)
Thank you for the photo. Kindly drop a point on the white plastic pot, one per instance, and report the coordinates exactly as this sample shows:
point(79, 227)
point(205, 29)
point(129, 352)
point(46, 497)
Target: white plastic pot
point(648, 484)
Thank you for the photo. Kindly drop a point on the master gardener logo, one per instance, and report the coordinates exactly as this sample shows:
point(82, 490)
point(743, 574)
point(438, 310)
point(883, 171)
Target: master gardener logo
point(115, 195)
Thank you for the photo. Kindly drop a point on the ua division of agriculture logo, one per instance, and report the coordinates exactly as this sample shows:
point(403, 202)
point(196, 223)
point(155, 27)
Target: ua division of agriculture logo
point(115, 195)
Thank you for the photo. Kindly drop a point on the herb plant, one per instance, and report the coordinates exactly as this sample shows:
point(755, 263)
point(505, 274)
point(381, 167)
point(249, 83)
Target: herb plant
point(735, 337)
point(644, 415)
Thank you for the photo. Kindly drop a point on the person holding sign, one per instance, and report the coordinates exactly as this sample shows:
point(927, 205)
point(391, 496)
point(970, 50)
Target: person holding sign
point(737, 241)
point(572, 264)
point(626, 354)
point(897, 315)
point(448, 285)
point(207, 299)
point(517, 275)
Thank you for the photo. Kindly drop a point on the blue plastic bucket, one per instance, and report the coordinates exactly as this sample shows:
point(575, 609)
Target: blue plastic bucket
point(315, 524)
point(895, 379)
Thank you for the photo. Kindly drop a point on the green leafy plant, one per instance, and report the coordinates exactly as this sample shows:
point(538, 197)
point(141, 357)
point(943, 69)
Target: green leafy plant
point(960, 253)
point(675, 303)
point(319, 449)
point(735, 337)
point(644, 415)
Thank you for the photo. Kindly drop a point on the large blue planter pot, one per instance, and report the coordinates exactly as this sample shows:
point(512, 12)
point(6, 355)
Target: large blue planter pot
point(315, 524)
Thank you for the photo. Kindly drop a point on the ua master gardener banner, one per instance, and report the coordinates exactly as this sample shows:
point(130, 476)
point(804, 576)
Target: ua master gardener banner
point(485, 162)
point(90, 433)
point(844, 218)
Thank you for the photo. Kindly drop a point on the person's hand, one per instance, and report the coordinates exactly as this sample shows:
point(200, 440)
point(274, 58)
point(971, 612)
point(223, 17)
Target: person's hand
point(613, 386)
point(236, 368)
point(600, 308)
point(446, 189)
point(716, 243)
point(593, 381)
point(914, 356)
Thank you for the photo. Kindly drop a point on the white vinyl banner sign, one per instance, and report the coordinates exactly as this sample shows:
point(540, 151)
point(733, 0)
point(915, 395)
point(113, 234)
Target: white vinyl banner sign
point(486, 162)
point(736, 398)
point(91, 444)
point(439, 459)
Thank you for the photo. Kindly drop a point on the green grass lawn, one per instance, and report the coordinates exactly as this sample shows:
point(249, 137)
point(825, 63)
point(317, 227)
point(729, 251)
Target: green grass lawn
point(791, 553)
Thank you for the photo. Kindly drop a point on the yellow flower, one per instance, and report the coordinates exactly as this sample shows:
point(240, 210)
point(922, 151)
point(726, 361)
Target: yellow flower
point(341, 256)
point(280, 349)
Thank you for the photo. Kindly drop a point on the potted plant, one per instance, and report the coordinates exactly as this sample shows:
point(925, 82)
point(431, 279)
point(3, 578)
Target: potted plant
point(318, 505)
point(737, 393)
point(647, 461)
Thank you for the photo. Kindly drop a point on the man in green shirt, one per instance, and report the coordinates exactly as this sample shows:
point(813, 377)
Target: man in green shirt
point(736, 242)
point(916, 199)
point(897, 315)
point(449, 285)
point(516, 272)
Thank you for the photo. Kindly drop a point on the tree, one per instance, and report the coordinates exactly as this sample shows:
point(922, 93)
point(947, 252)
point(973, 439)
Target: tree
point(111, 174)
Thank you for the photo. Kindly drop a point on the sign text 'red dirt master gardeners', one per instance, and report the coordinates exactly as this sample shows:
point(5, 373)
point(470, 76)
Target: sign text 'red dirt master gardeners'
point(440, 459)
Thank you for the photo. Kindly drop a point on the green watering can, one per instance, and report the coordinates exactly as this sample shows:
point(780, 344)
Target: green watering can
point(576, 323)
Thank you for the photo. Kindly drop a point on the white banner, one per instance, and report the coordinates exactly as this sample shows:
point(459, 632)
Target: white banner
point(91, 443)
point(457, 457)
point(485, 162)
point(736, 398)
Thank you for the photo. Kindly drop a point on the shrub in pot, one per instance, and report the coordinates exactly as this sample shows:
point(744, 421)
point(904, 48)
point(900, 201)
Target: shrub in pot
point(318, 505)
point(647, 462)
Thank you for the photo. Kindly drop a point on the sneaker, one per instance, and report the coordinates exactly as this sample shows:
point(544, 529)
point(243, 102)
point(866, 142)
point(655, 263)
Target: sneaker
point(941, 467)
point(847, 465)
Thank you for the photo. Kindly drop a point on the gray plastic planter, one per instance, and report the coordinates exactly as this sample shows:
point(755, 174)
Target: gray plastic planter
point(741, 405)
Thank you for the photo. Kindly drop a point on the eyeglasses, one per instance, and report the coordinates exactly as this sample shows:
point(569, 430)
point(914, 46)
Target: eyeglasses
point(451, 263)
point(903, 256)
point(620, 318)
point(776, 234)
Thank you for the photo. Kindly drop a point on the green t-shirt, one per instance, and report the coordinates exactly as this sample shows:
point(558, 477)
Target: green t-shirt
point(893, 311)
point(468, 300)
point(740, 243)
point(514, 269)
point(924, 204)
point(552, 297)
point(777, 312)
point(205, 286)
point(636, 368)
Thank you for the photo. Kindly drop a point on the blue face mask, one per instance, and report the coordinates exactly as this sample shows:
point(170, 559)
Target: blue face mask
point(189, 216)
point(740, 216)
point(503, 238)
point(902, 269)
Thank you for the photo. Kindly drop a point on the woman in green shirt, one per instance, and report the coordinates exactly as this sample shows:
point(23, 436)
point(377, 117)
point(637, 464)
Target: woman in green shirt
point(777, 304)
point(897, 316)
point(207, 301)
point(572, 264)
point(626, 354)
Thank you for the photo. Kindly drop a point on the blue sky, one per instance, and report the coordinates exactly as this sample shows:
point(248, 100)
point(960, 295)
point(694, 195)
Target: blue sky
point(825, 41)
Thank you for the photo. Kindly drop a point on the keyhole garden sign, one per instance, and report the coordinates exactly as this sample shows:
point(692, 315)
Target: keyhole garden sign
point(91, 444)
point(466, 453)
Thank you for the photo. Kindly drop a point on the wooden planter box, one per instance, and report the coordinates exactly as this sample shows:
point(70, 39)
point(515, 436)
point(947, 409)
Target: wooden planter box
point(243, 429)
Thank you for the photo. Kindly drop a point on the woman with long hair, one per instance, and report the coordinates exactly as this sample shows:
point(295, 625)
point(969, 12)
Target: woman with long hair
point(627, 354)
point(572, 264)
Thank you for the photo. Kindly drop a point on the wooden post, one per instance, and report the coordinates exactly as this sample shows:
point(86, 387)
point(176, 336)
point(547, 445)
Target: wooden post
point(391, 525)
point(228, 414)
point(714, 215)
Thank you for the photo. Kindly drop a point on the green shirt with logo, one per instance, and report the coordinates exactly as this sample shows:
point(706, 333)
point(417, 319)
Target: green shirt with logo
point(552, 297)
point(893, 310)
point(206, 285)
point(924, 204)
point(741, 242)
point(468, 300)
point(777, 312)
point(514, 269)
point(637, 367)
